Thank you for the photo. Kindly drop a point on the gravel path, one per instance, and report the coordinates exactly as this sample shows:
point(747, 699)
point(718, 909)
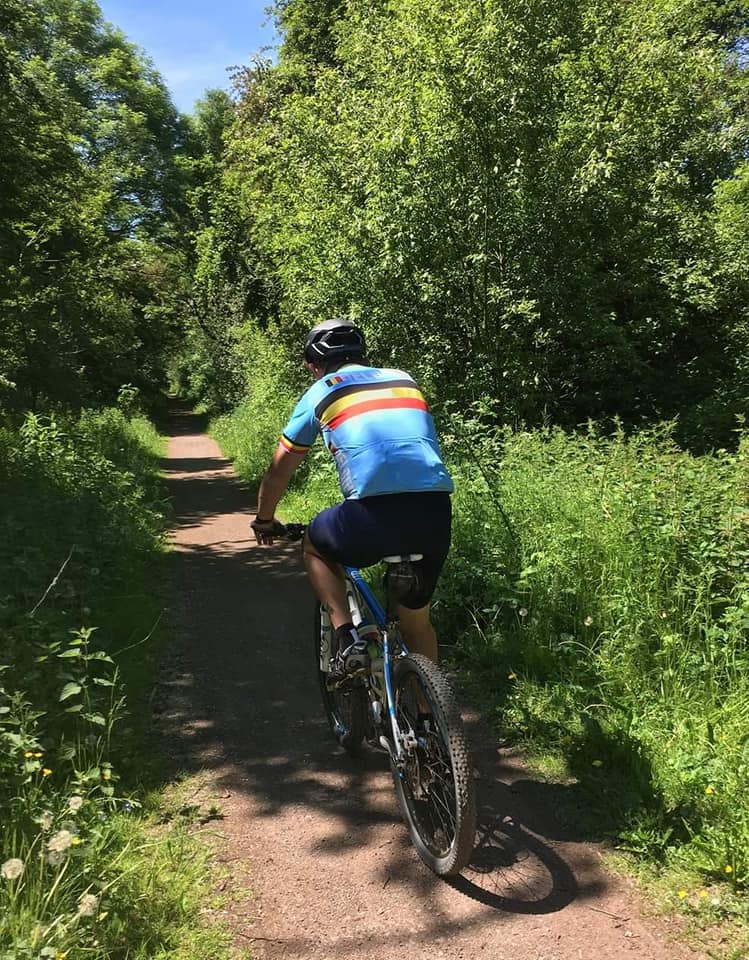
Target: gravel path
point(316, 836)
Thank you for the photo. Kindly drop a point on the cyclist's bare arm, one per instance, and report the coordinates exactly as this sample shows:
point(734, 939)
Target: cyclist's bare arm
point(272, 488)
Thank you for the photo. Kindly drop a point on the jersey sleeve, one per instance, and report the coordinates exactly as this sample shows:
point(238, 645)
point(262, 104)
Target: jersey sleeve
point(300, 432)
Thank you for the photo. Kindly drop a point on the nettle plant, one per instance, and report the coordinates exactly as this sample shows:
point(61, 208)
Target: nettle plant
point(57, 785)
point(63, 735)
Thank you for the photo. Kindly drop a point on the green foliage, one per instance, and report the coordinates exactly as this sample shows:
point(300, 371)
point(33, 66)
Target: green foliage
point(90, 193)
point(539, 205)
point(81, 872)
point(608, 589)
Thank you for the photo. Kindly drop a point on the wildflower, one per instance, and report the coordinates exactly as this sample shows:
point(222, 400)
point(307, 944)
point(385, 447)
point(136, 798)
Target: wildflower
point(588, 621)
point(46, 819)
point(38, 755)
point(60, 955)
point(46, 772)
point(681, 894)
point(664, 614)
point(11, 869)
point(522, 612)
point(512, 676)
point(703, 894)
point(76, 842)
point(127, 807)
point(55, 858)
point(75, 803)
point(728, 868)
point(29, 754)
point(88, 905)
point(60, 841)
point(709, 790)
point(597, 763)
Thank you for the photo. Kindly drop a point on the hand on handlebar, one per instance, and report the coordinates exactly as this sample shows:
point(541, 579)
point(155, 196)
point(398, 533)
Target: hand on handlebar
point(266, 531)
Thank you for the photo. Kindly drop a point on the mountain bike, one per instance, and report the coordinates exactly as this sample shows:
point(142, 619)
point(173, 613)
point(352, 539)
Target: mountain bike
point(405, 705)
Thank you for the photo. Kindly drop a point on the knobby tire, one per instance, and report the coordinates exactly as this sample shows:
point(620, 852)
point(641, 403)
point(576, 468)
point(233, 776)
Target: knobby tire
point(436, 791)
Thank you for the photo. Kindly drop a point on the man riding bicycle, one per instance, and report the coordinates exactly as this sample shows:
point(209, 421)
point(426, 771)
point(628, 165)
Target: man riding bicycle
point(377, 425)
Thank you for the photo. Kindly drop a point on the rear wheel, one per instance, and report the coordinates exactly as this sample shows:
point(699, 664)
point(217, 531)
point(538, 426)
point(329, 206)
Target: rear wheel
point(344, 701)
point(435, 787)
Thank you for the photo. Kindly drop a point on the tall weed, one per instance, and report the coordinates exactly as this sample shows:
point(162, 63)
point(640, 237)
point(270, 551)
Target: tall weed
point(603, 583)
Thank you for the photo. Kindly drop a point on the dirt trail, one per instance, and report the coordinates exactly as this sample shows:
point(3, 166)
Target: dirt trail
point(318, 835)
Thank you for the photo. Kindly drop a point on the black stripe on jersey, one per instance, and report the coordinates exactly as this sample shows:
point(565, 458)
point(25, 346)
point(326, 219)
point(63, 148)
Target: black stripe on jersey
point(358, 388)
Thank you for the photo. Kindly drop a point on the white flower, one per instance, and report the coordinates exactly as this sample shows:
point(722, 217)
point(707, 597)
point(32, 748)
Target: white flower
point(88, 905)
point(46, 819)
point(75, 803)
point(11, 869)
point(60, 841)
point(588, 621)
point(522, 612)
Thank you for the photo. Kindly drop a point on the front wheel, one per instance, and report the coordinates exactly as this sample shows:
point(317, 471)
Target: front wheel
point(435, 785)
point(345, 702)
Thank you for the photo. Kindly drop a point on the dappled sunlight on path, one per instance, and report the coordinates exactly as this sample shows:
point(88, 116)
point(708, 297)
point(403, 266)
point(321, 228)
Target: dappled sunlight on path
point(329, 859)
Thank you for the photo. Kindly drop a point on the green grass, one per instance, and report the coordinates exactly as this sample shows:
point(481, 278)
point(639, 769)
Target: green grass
point(85, 868)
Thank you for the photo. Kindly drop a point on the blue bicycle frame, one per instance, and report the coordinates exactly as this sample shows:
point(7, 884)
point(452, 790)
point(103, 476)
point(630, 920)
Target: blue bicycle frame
point(380, 616)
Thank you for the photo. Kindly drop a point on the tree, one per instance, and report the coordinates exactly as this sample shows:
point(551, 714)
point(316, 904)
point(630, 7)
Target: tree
point(89, 139)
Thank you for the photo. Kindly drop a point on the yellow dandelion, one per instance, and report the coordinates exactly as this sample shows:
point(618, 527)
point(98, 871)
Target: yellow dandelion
point(76, 842)
point(709, 790)
point(38, 755)
point(29, 754)
point(728, 868)
point(681, 894)
point(703, 894)
point(512, 676)
point(46, 772)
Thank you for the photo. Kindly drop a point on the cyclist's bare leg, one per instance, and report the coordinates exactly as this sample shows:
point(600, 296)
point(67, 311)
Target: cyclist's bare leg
point(328, 582)
point(418, 631)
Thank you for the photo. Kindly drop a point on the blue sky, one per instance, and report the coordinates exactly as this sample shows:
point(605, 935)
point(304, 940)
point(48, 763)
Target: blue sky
point(192, 42)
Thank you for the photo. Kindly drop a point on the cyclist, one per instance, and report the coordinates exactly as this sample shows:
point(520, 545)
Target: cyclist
point(377, 426)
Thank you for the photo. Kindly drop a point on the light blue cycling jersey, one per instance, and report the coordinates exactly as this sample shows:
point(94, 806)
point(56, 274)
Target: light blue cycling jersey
point(377, 425)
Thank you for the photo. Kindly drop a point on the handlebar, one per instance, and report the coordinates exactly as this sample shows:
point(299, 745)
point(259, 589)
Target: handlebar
point(287, 531)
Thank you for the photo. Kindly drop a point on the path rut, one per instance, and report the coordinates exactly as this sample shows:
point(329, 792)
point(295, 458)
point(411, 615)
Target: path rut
point(318, 835)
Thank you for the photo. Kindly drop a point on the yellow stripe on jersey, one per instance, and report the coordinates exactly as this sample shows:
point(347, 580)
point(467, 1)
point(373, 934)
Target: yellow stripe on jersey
point(292, 447)
point(336, 408)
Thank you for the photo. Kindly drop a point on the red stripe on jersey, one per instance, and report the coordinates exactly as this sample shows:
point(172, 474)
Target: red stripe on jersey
point(385, 403)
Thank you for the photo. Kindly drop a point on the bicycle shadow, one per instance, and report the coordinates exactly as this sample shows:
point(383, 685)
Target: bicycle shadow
point(513, 871)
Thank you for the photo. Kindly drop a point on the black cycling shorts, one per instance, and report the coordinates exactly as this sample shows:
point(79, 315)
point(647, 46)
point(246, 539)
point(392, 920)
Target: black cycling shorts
point(359, 533)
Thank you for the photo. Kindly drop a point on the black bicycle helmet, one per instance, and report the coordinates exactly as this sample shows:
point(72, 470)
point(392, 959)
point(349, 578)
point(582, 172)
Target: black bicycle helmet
point(333, 340)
